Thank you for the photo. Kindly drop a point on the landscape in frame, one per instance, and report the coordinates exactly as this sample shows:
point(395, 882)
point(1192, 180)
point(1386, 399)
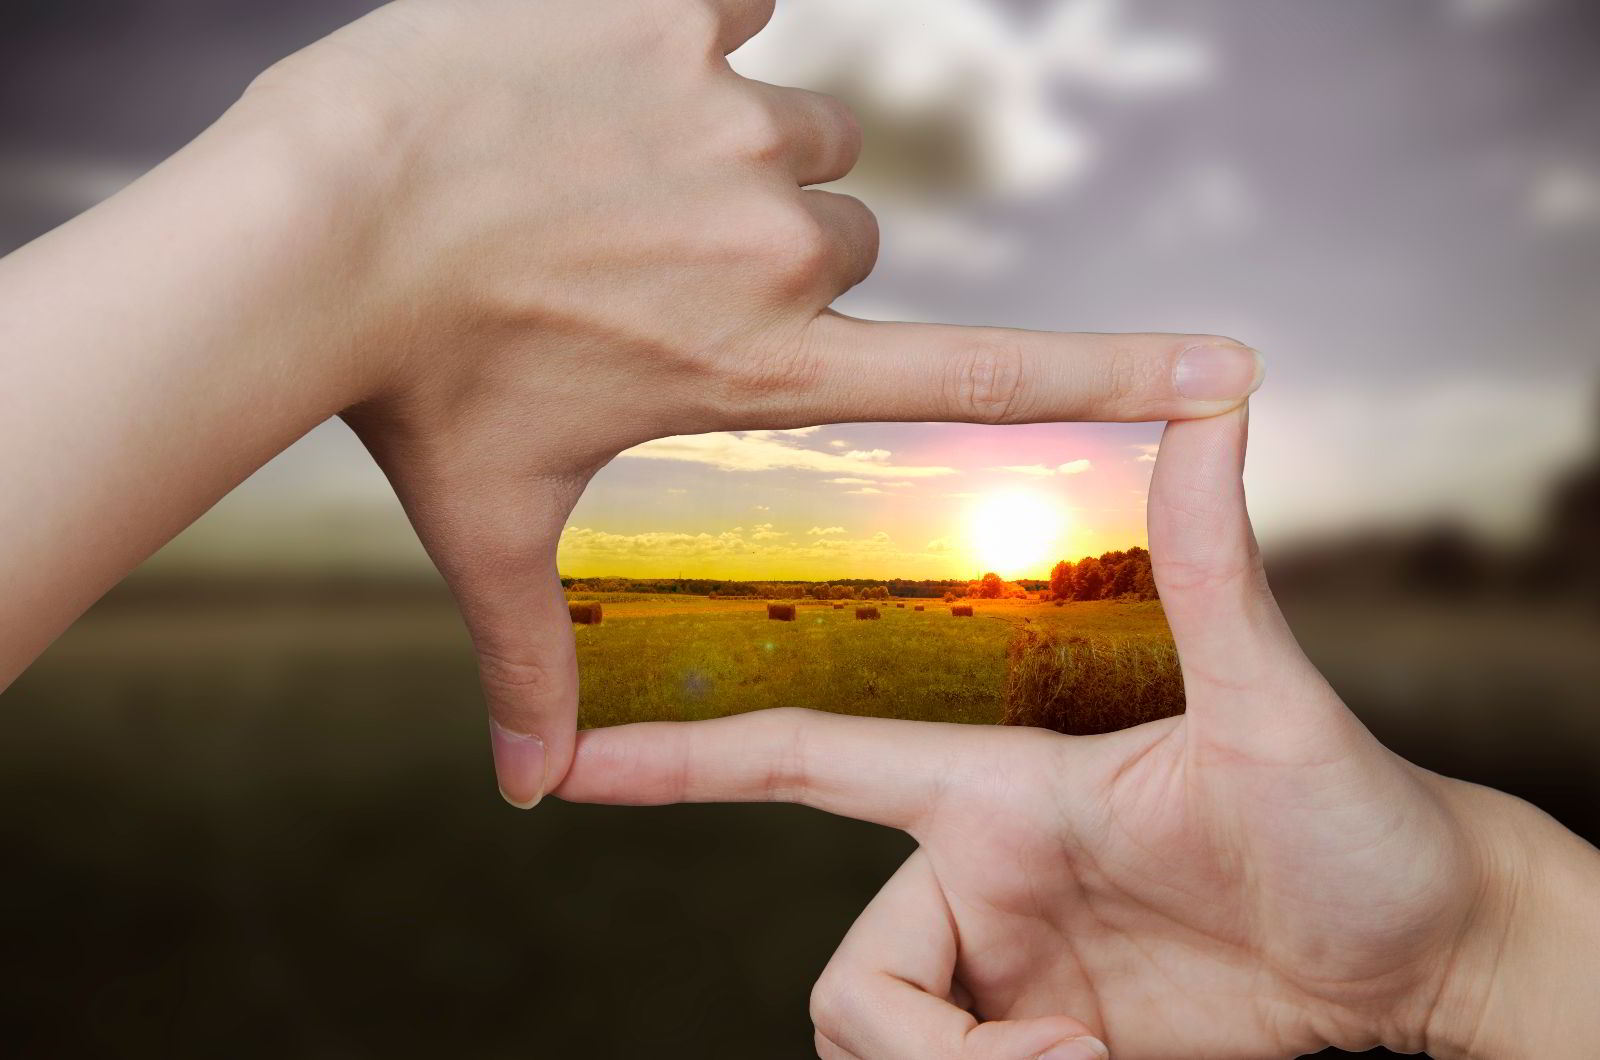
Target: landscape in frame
point(927, 571)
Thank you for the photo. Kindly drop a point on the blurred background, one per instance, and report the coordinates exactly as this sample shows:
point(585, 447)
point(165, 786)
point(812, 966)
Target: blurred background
point(247, 807)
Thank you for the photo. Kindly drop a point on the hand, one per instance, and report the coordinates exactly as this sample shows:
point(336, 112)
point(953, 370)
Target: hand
point(576, 229)
point(1255, 878)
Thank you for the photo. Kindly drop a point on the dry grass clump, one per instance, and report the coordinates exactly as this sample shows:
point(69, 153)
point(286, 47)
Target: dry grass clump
point(1082, 686)
point(585, 614)
point(780, 612)
point(867, 612)
point(919, 607)
point(962, 610)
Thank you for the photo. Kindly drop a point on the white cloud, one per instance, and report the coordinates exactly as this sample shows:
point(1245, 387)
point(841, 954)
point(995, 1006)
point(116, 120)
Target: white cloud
point(825, 531)
point(866, 490)
point(1147, 453)
point(768, 452)
point(1564, 196)
point(1071, 467)
point(839, 443)
point(961, 102)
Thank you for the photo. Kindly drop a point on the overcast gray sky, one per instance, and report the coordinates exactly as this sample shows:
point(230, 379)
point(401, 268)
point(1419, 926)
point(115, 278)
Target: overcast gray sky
point(1398, 201)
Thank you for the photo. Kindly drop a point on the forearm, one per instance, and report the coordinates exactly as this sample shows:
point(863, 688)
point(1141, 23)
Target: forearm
point(1526, 984)
point(155, 351)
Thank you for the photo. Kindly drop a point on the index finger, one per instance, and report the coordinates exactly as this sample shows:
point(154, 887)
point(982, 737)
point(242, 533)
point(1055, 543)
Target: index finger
point(868, 370)
point(872, 769)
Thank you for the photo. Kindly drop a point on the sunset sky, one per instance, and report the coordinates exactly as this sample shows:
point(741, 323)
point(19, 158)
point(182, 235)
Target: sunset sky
point(865, 500)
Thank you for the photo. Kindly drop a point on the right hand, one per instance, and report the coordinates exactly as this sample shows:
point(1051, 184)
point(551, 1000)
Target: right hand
point(1257, 877)
point(566, 228)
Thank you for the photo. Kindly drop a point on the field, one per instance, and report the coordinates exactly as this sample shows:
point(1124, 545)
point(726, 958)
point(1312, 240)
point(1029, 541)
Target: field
point(684, 658)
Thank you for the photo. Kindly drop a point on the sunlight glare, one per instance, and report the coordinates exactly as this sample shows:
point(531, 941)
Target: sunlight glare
point(1017, 534)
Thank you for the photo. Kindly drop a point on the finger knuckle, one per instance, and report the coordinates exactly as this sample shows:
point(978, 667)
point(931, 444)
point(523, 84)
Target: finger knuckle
point(986, 381)
point(828, 1006)
point(523, 676)
point(758, 134)
point(793, 249)
point(844, 128)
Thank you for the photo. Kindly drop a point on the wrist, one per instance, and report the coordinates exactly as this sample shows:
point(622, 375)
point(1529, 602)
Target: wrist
point(319, 182)
point(1521, 983)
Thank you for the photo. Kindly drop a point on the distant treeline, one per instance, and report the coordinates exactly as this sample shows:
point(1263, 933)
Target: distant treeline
point(1109, 576)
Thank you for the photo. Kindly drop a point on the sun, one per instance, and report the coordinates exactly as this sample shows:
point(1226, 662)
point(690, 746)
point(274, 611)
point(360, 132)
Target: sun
point(1017, 534)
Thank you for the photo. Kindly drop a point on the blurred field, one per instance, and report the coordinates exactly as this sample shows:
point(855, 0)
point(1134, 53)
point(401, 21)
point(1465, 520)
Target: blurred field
point(684, 658)
point(275, 810)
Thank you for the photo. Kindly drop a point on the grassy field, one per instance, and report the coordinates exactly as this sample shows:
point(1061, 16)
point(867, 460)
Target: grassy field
point(683, 658)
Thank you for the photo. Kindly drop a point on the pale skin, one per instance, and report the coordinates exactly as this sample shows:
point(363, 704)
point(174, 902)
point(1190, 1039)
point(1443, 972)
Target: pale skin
point(1258, 877)
point(506, 241)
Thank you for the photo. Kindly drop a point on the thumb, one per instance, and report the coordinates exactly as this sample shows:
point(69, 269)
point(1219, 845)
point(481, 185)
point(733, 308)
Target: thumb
point(890, 993)
point(1237, 652)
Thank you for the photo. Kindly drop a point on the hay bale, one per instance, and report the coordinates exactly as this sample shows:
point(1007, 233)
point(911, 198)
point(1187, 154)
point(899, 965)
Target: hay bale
point(1061, 603)
point(962, 610)
point(780, 612)
point(867, 612)
point(899, 605)
point(584, 614)
point(919, 607)
point(838, 607)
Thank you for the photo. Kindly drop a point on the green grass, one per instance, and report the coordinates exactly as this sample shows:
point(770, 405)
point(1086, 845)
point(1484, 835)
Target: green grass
point(681, 660)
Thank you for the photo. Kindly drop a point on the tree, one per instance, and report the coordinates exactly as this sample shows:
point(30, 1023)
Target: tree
point(990, 587)
point(843, 592)
point(875, 592)
point(821, 590)
point(1088, 579)
point(1061, 581)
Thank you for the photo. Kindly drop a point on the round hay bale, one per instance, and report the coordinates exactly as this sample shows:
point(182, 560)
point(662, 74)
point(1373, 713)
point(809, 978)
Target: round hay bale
point(962, 611)
point(585, 613)
point(867, 613)
point(780, 612)
point(919, 607)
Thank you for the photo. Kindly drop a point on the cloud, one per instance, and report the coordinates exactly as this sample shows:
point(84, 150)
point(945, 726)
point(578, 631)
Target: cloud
point(761, 507)
point(963, 103)
point(865, 490)
point(1563, 197)
point(839, 443)
point(939, 544)
point(1147, 453)
point(772, 451)
point(866, 482)
point(1071, 467)
point(765, 532)
point(825, 531)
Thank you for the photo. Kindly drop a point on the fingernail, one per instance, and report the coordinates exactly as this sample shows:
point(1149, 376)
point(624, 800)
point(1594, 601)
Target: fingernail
point(518, 764)
point(1219, 373)
point(1078, 1049)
